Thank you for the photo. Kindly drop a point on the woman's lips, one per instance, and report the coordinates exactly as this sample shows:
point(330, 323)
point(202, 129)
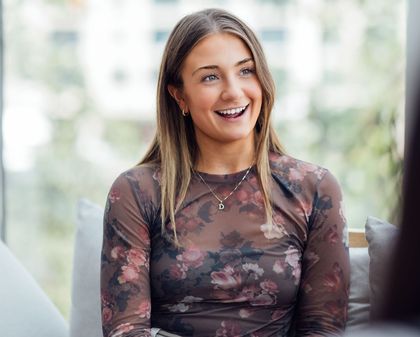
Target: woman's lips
point(232, 115)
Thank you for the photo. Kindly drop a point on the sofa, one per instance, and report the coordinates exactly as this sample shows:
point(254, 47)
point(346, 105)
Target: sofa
point(25, 310)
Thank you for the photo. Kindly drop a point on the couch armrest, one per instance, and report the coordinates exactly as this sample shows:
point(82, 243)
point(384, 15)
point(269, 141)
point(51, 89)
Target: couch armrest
point(25, 310)
point(357, 238)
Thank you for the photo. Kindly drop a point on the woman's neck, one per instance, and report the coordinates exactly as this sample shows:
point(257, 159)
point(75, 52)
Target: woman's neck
point(225, 159)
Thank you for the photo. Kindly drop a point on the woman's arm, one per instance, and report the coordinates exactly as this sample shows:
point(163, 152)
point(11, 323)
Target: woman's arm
point(125, 291)
point(323, 293)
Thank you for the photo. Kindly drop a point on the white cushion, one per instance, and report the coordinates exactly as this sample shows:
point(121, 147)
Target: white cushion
point(359, 298)
point(386, 330)
point(25, 310)
point(85, 314)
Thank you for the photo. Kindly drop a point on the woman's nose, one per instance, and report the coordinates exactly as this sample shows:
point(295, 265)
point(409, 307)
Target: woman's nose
point(232, 90)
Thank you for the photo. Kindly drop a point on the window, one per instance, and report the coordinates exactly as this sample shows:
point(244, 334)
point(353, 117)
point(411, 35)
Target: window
point(119, 76)
point(273, 35)
point(165, 1)
point(160, 36)
point(61, 38)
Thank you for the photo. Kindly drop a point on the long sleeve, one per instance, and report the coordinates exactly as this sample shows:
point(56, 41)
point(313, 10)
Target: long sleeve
point(125, 288)
point(323, 293)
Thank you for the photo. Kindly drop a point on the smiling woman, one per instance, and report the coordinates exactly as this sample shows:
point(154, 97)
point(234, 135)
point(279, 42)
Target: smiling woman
point(224, 96)
point(217, 232)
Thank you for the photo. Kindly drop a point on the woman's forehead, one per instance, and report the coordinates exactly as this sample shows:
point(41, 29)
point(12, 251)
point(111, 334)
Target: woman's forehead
point(218, 48)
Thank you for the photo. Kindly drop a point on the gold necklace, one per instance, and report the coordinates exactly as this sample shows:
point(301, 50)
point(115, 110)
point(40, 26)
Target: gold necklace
point(221, 205)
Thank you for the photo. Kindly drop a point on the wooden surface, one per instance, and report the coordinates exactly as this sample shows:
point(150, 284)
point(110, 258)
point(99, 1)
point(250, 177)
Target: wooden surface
point(357, 238)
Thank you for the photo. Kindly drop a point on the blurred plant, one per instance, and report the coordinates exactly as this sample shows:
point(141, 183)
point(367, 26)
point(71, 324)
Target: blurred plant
point(359, 138)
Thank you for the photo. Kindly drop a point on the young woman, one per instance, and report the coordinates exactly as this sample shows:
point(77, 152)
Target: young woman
point(217, 232)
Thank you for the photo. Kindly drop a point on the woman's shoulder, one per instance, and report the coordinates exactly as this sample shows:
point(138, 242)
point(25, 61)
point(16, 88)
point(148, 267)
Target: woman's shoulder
point(303, 179)
point(142, 178)
point(293, 169)
point(143, 172)
point(140, 172)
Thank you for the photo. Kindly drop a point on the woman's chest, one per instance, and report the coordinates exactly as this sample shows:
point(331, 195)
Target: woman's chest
point(228, 263)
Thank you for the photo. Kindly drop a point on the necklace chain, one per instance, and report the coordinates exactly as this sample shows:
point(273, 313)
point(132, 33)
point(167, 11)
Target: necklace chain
point(221, 205)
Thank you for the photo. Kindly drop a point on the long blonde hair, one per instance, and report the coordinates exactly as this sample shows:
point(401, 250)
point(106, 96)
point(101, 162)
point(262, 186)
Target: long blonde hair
point(174, 147)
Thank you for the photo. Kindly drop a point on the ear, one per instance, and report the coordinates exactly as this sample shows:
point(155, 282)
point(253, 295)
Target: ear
point(178, 96)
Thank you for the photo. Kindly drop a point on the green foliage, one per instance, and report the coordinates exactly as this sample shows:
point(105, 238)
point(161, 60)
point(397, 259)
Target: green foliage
point(360, 142)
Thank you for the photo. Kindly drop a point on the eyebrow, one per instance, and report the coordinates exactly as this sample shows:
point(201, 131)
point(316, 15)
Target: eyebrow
point(215, 66)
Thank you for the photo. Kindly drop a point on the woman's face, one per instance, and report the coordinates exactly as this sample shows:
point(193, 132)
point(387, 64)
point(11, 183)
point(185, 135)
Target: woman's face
point(221, 90)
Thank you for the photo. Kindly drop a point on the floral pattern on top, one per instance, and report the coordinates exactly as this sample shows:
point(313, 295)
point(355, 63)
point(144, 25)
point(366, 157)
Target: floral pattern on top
point(235, 273)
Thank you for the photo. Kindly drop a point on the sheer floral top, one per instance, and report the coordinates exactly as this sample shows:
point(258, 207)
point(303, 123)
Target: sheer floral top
point(234, 274)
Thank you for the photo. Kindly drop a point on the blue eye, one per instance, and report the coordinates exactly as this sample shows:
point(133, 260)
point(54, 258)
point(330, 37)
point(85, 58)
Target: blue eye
point(209, 78)
point(247, 71)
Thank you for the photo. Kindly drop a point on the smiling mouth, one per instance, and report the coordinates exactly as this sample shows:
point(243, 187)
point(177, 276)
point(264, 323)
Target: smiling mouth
point(232, 113)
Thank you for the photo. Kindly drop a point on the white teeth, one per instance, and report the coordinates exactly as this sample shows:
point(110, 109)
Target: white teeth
point(231, 111)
